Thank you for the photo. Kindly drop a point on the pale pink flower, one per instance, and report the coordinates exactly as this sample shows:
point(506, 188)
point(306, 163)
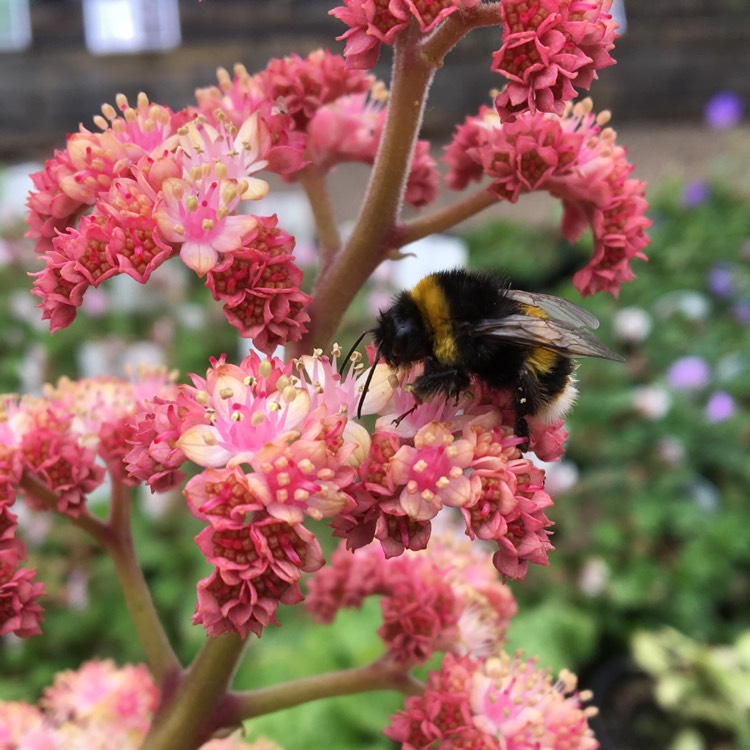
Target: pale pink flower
point(199, 218)
point(432, 472)
point(237, 98)
point(100, 692)
point(497, 703)
point(22, 722)
point(226, 152)
point(344, 130)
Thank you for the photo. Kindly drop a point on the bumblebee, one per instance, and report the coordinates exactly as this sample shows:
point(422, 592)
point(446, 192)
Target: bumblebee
point(463, 324)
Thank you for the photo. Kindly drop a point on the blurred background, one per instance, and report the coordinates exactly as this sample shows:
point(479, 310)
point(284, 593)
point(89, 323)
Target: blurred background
point(648, 593)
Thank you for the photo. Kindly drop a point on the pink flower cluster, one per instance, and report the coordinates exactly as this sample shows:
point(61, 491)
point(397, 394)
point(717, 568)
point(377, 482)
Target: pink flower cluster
point(375, 22)
point(60, 442)
point(499, 703)
point(287, 423)
point(277, 447)
point(99, 706)
point(550, 49)
point(447, 598)
point(459, 455)
point(156, 184)
point(577, 160)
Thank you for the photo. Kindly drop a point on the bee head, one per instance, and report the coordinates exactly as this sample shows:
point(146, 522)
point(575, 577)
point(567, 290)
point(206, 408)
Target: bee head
point(400, 334)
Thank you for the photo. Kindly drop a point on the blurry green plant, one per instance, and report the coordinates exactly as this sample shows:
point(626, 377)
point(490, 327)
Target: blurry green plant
point(702, 685)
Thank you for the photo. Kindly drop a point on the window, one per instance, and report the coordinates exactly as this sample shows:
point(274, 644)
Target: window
point(123, 26)
point(15, 27)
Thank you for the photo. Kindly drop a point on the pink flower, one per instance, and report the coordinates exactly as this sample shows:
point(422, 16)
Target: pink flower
point(51, 210)
point(307, 84)
point(135, 245)
point(54, 454)
point(237, 98)
point(100, 692)
point(432, 472)
point(260, 285)
point(500, 702)
point(154, 457)
point(447, 598)
point(200, 219)
point(20, 613)
point(548, 47)
point(258, 566)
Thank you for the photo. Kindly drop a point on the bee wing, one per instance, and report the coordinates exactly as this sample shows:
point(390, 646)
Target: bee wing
point(555, 307)
point(558, 335)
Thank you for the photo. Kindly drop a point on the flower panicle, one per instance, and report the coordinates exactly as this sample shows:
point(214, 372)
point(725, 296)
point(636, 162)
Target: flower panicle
point(576, 158)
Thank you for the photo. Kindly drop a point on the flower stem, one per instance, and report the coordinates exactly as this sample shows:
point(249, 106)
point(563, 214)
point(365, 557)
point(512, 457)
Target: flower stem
point(161, 657)
point(312, 179)
point(99, 530)
point(116, 539)
point(197, 707)
point(380, 675)
point(371, 240)
point(449, 216)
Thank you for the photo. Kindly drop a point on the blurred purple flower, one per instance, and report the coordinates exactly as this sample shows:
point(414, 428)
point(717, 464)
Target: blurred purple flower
point(695, 193)
point(689, 374)
point(724, 110)
point(741, 312)
point(720, 406)
point(721, 281)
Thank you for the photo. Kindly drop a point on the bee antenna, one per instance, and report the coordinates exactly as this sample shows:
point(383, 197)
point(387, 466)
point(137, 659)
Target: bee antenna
point(351, 351)
point(367, 382)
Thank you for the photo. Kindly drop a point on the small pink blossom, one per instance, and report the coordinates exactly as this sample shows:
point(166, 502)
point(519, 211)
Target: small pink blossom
point(258, 566)
point(200, 219)
point(260, 286)
point(447, 598)
point(432, 472)
point(307, 84)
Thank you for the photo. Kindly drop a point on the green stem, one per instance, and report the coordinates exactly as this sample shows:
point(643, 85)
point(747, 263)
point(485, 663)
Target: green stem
point(198, 707)
point(116, 539)
point(444, 218)
point(380, 675)
point(160, 655)
point(99, 530)
point(370, 241)
point(313, 181)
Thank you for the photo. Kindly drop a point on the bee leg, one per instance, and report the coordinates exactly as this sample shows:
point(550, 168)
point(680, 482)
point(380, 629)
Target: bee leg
point(440, 379)
point(396, 422)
